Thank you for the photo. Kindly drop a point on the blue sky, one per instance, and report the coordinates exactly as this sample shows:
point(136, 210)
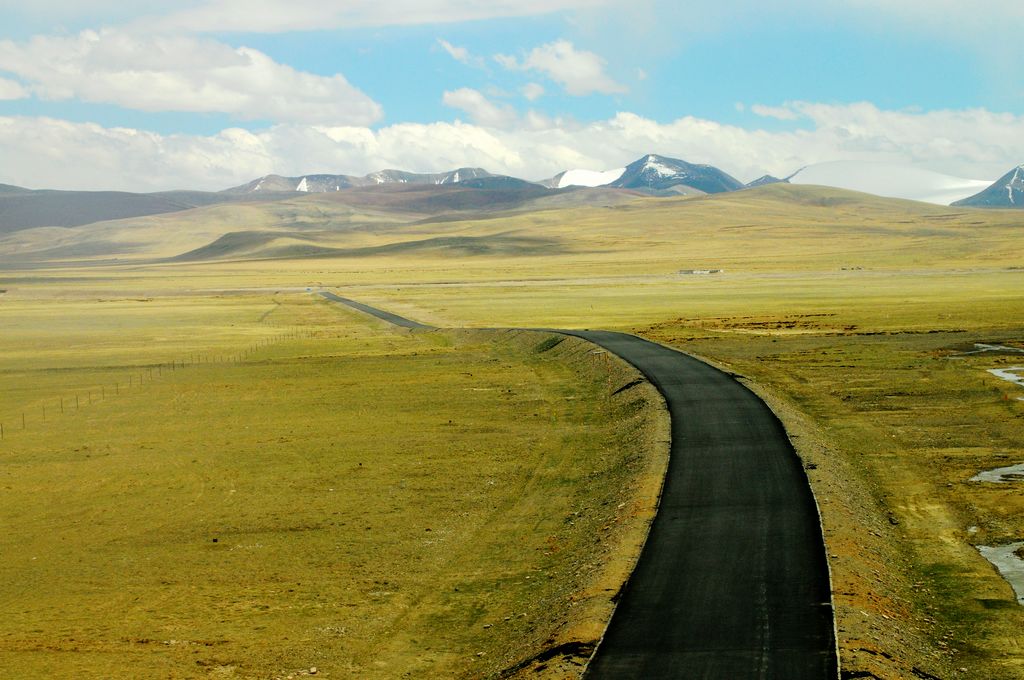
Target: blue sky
point(214, 91)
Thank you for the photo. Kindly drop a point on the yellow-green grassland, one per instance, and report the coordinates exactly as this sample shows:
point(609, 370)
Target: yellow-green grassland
point(307, 489)
point(454, 503)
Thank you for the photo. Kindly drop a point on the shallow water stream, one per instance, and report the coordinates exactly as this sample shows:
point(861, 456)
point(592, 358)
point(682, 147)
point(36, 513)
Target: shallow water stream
point(1011, 566)
point(1013, 374)
point(1011, 473)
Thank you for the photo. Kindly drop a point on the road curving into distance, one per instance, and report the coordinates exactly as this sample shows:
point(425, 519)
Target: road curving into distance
point(732, 582)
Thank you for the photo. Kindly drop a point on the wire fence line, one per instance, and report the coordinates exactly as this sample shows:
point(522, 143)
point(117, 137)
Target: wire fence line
point(137, 377)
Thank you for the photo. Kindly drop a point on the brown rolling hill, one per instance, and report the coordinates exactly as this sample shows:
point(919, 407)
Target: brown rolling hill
point(462, 221)
point(22, 208)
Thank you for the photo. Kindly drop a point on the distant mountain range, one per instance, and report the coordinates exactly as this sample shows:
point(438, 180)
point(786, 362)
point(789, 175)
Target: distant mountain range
point(652, 174)
point(664, 176)
point(326, 183)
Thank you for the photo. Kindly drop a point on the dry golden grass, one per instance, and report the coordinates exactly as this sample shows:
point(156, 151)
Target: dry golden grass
point(844, 309)
point(366, 502)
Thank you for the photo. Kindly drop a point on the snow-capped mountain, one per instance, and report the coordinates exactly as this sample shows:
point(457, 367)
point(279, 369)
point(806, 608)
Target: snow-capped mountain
point(402, 177)
point(271, 184)
point(1006, 192)
point(890, 180)
point(659, 174)
point(326, 183)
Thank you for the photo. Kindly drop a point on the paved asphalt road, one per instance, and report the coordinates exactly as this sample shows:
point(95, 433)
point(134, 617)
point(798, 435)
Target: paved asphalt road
point(732, 582)
point(373, 311)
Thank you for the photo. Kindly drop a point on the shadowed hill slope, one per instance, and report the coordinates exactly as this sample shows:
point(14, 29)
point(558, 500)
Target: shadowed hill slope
point(453, 221)
point(275, 245)
point(27, 208)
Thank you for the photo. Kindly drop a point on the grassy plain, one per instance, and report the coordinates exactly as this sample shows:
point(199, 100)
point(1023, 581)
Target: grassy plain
point(366, 502)
point(848, 312)
point(851, 320)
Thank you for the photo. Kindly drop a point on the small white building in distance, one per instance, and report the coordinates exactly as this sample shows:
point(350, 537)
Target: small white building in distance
point(691, 272)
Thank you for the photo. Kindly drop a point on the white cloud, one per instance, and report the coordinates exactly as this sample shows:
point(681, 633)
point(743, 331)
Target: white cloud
point(460, 54)
point(970, 21)
point(482, 110)
point(175, 73)
point(533, 91)
point(507, 61)
point(456, 53)
point(777, 112)
point(48, 153)
point(50, 8)
point(950, 15)
point(40, 152)
point(276, 16)
point(580, 72)
point(10, 89)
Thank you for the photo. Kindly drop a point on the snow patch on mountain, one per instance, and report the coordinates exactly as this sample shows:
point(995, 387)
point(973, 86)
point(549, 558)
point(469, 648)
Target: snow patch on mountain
point(589, 178)
point(652, 163)
point(891, 180)
point(1015, 184)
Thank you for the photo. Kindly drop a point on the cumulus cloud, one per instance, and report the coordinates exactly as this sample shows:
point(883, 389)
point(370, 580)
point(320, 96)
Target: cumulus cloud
point(275, 16)
point(777, 112)
point(480, 109)
point(180, 73)
point(533, 91)
point(461, 54)
point(57, 154)
point(578, 71)
point(10, 89)
point(49, 153)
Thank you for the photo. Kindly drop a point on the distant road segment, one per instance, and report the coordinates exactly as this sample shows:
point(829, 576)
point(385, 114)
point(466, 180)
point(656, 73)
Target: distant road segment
point(393, 319)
